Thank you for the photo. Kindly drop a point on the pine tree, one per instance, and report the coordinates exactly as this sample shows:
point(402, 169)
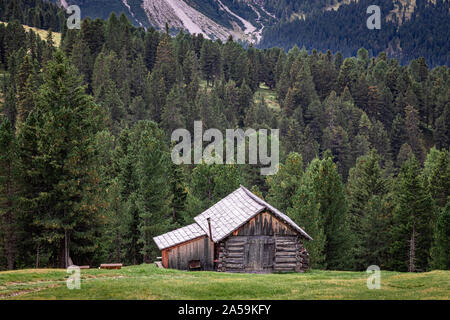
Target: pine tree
point(155, 94)
point(179, 189)
point(414, 134)
point(166, 63)
point(153, 193)
point(67, 121)
point(172, 115)
point(309, 147)
point(125, 155)
point(413, 218)
point(26, 87)
point(437, 176)
point(398, 134)
point(306, 213)
point(376, 225)
point(323, 182)
point(440, 251)
point(150, 47)
point(366, 189)
point(347, 75)
point(285, 184)
point(10, 105)
point(8, 193)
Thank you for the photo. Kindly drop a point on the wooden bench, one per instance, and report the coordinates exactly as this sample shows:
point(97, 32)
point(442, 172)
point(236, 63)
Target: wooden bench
point(111, 266)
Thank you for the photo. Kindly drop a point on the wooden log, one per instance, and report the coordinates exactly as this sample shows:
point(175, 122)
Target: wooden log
point(235, 244)
point(284, 270)
point(279, 258)
point(285, 260)
point(236, 240)
point(235, 260)
point(285, 249)
point(234, 266)
point(285, 254)
point(292, 246)
point(285, 265)
point(286, 242)
point(111, 266)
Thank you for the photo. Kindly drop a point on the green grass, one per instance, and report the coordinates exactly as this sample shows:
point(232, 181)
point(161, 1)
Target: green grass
point(270, 97)
point(149, 282)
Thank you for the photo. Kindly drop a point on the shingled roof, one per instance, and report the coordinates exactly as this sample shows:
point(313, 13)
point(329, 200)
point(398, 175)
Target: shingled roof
point(225, 216)
point(178, 236)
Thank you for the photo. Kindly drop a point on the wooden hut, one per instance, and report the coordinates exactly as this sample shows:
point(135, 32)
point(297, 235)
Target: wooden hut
point(240, 233)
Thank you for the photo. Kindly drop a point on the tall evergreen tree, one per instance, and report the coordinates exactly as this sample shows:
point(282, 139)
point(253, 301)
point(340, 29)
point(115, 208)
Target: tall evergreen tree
point(68, 120)
point(285, 184)
point(325, 186)
point(413, 218)
point(440, 251)
point(153, 193)
point(366, 190)
point(9, 217)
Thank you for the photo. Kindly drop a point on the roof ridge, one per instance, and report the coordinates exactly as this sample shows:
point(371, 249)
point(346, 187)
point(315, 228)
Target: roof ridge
point(274, 210)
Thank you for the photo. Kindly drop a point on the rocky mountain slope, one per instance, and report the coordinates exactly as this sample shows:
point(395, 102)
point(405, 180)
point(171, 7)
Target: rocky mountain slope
point(410, 27)
point(215, 19)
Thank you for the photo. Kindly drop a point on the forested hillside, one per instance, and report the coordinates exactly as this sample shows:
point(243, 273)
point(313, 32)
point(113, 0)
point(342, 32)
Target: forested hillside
point(85, 168)
point(35, 13)
point(409, 29)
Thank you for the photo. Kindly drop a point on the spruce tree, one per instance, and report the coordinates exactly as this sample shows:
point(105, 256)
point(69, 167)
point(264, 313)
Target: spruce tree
point(285, 184)
point(67, 122)
point(323, 182)
point(440, 251)
point(413, 218)
point(366, 190)
point(153, 192)
point(437, 176)
point(9, 217)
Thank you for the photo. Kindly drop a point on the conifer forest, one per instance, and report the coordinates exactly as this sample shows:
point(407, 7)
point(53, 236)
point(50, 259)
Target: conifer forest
point(85, 139)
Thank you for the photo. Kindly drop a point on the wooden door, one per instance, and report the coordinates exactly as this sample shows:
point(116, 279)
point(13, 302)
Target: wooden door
point(259, 254)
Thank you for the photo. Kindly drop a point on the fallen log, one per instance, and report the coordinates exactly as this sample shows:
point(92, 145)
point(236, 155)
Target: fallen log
point(111, 266)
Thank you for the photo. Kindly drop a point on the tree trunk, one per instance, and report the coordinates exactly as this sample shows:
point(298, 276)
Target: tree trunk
point(10, 243)
point(66, 249)
point(412, 251)
point(38, 249)
point(10, 224)
point(118, 246)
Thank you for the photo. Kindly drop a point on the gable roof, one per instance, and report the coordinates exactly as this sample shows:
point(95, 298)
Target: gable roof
point(225, 216)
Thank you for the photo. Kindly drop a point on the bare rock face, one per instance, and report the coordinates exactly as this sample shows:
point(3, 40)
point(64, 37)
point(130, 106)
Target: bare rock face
point(218, 21)
point(180, 15)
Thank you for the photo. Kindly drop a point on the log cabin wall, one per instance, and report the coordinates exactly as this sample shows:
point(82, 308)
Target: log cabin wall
point(180, 256)
point(264, 244)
